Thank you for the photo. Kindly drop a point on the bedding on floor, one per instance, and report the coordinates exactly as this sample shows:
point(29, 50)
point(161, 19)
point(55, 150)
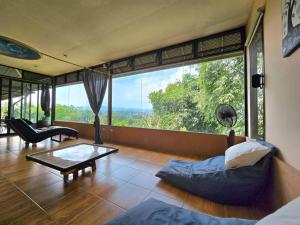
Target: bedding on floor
point(155, 212)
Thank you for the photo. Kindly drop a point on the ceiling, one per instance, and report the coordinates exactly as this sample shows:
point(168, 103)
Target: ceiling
point(91, 32)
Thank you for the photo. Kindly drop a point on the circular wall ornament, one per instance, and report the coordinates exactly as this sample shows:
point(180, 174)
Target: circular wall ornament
point(15, 49)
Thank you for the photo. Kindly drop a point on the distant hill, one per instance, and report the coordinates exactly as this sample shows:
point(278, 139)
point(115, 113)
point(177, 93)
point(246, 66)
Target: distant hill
point(119, 109)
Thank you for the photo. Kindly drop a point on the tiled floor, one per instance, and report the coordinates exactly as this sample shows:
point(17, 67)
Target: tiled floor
point(122, 180)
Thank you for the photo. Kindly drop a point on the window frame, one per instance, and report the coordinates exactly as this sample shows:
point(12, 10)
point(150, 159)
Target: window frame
point(190, 62)
point(10, 98)
point(224, 52)
point(253, 97)
point(54, 102)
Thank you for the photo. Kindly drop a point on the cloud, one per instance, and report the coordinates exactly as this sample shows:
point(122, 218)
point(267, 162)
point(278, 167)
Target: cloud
point(128, 92)
point(133, 91)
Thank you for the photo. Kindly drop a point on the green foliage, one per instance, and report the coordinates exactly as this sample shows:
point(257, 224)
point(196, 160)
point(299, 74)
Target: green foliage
point(222, 82)
point(176, 107)
point(76, 114)
point(190, 104)
point(126, 118)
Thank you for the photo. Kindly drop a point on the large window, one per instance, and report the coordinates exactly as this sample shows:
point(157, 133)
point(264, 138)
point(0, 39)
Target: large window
point(4, 104)
point(257, 95)
point(30, 102)
point(72, 105)
point(19, 100)
point(183, 98)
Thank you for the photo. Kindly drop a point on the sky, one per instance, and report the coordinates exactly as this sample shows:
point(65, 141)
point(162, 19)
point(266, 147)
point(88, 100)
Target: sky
point(130, 92)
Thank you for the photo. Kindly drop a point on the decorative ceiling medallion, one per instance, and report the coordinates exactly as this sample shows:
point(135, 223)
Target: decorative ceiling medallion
point(16, 49)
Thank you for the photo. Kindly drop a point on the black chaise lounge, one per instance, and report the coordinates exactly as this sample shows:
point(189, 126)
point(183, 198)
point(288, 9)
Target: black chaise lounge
point(31, 135)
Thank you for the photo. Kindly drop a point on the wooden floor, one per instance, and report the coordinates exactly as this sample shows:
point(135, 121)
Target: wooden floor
point(34, 194)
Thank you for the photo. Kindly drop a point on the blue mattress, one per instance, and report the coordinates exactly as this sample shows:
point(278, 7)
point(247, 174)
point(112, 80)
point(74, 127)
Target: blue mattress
point(210, 179)
point(154, 212)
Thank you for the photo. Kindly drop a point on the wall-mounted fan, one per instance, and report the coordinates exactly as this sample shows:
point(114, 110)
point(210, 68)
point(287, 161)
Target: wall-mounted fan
point(226, 116)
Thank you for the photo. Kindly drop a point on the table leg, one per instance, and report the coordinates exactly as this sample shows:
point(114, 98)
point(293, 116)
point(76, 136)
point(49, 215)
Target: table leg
point(66, 177)
point(93, 164)
point(75, 174)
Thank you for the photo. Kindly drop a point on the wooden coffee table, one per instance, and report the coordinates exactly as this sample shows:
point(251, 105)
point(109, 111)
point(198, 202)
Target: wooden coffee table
point(71, 159)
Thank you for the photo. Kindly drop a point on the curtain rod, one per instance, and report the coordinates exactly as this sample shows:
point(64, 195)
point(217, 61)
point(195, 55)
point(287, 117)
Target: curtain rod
point(251, 34)
point(74, 64)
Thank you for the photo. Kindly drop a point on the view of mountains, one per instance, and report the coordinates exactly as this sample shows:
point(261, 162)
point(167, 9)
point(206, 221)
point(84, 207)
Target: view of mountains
point(104, 109)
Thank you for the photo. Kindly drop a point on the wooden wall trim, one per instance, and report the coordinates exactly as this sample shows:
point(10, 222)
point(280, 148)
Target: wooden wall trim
point(175, 142)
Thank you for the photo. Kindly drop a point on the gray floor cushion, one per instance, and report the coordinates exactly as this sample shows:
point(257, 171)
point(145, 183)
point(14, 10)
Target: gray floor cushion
point(154, 212)
point(210, 179)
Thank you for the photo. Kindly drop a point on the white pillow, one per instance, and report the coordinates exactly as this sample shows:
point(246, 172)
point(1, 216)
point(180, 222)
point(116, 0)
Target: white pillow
point(289, 214)
point(245, 154)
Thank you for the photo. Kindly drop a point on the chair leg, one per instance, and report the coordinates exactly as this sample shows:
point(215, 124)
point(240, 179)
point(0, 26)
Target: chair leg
point(59, 140)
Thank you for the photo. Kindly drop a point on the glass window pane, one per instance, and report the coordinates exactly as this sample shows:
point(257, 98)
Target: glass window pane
point(26, 101)
point(34, 96)
point(4, 105)
point(257, 113)
point(16, 95)
point(183, 98)
point(72, 105)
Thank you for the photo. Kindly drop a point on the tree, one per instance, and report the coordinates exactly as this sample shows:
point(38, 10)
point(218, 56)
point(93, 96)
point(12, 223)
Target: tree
point(190, 104)
point(176, 106)
point(221, 82)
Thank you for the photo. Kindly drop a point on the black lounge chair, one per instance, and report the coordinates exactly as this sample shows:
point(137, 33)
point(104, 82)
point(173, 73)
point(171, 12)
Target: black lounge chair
point(31, 135)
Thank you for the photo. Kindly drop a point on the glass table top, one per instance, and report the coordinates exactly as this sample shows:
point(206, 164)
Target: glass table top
point(69, 157)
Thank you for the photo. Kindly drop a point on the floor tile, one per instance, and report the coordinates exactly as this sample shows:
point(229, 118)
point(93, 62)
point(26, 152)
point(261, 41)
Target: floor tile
point(120, 159)
point(170, 191)
point(106, 167)
point(37, 182)
point(71, 206)
point(125, 173)
point(128, 196)
point(164, 198)
point(15, 173)
point(102, 186)
point(145, 180)
point(99, 214)
point(146, 167)
point(197, 203)
point(17, 208)
point(51, 193)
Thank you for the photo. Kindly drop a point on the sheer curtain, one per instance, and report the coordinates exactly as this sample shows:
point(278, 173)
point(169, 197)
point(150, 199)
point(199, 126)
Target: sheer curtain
point(45, 100)
point(95, 86)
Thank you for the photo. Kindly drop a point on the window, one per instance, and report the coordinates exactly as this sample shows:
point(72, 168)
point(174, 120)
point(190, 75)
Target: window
point(72, 105)
point(26, 114)
point(257, 100)
point(16, 96)
point(183, 98)
point(4, 104)
point(19, 100)
point(34, 102)
point(29, 101)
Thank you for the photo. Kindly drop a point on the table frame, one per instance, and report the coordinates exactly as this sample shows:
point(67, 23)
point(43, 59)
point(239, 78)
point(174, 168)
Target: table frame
point(75, 168)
